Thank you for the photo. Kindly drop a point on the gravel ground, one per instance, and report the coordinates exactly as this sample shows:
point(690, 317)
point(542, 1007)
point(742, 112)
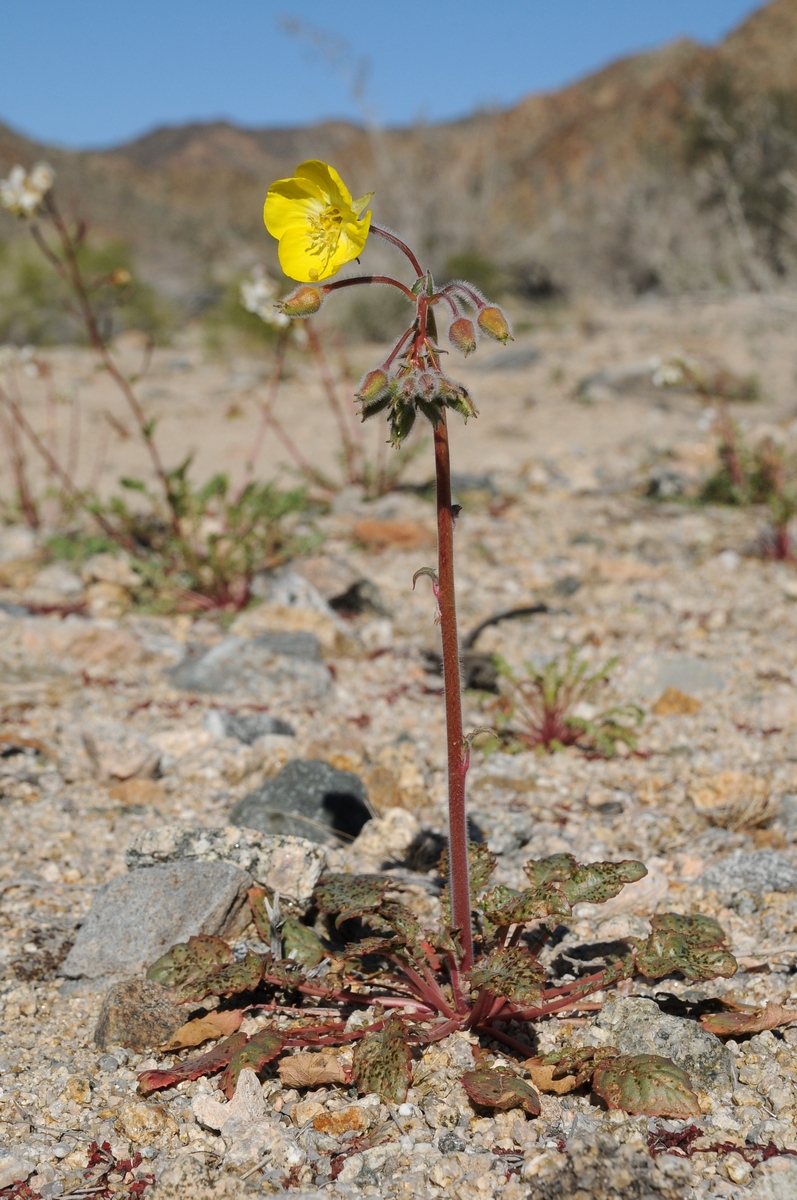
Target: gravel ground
point(101, 746)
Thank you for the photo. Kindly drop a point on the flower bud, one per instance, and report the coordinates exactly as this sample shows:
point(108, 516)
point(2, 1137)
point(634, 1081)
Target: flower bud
point(493, 322)
point(305, 301)
point(462, 334)
point(373, 385)
point(121, 277)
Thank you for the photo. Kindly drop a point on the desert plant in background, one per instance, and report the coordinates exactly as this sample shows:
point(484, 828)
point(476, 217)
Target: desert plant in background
point(478, 969)
point(196, 546)
point(551, 707)
point(764, 474)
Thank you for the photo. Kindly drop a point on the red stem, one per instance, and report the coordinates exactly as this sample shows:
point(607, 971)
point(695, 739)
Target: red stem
point(357, 279)
point(397, 242)
point(457, 819)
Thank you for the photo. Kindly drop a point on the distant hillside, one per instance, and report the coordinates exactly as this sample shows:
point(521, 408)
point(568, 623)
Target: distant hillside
point(671, 170)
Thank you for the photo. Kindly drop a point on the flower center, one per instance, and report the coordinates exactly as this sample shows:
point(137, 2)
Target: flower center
point(324, 233)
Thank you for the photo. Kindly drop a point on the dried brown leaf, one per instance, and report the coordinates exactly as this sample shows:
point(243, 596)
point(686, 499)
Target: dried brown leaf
point(311, 1070)
point(216, 1024)
point(749, 1020)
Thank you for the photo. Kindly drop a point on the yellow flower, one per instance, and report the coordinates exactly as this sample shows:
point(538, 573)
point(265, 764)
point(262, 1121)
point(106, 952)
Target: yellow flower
point(318, 225)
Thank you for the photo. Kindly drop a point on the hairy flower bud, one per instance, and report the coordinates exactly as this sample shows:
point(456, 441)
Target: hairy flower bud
point(304, 302)
point(462, 334)
point(121, 277)
point(373, 385)
point(493, 322)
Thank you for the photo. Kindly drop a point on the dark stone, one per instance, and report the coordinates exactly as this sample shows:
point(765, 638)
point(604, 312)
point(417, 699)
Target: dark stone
point(361, 599)
point(246, 727)
point(135, 918)
point(138, 1014)
point(308, 798)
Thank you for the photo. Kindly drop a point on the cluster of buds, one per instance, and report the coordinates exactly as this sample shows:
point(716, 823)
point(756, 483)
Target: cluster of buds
point(23, 192)
point(410, 381)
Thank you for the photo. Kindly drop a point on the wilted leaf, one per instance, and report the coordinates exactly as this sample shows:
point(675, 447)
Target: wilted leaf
point(256, 897)
point(311, 1070)
point(749, 1020)
point(645, 1085)
point(349, 895)
point(500, 1090)
point(505, 906)
point(512, 973)
point(693, 945)
point(542, 1076)
point(189, 961)
point(243, 976)
point(216, 1024)
point(594, 883)
point(578, 1062)
point(195, 1068)
point(301, 943)
point(382, 1062)
point(259, 1050)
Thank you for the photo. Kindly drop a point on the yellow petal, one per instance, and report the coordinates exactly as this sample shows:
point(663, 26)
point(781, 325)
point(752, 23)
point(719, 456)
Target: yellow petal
point(363, 202)
point(289, 201)
point(327, 180)
point(299, 260)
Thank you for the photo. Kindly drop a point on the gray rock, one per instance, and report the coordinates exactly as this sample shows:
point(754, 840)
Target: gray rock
point(638, 1026)
point(761, 871)
point(597, 1167)
point(289, 865)
point(138, 1014)
point(14, 1169)
point(261, 667)
point(309, 798)
point(136, 918)
point(246, 727)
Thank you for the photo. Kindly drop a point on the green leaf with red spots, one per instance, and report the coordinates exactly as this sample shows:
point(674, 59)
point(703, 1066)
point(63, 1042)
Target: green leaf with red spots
point(645, 1085)
point(243, 976)
point(510, 972)
point(207, 1064)
point(264, 1046)
point(349, 895)
point(505, 906)
point(382, 1062)
point(189, 961)
point(595, 883)
point(694, 945)
point(500, 1090)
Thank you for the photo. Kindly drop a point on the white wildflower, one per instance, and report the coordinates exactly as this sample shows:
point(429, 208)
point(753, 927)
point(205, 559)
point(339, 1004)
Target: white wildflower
point(258, 294)
point(22, 192)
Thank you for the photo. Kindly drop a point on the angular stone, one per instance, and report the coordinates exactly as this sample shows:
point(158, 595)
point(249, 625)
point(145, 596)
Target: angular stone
point(761, 871)
point(136, 918)
point(261, 667)
point(289, 865)
point(309, 798)
point(14, 1169)
point(638, 1026)
point(138, 1014)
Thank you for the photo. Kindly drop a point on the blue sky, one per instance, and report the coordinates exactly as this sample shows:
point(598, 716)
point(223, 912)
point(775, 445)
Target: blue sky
point(94, 72)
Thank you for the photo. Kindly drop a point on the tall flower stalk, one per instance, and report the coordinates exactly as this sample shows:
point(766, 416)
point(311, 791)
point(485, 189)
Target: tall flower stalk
point(320, 229)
